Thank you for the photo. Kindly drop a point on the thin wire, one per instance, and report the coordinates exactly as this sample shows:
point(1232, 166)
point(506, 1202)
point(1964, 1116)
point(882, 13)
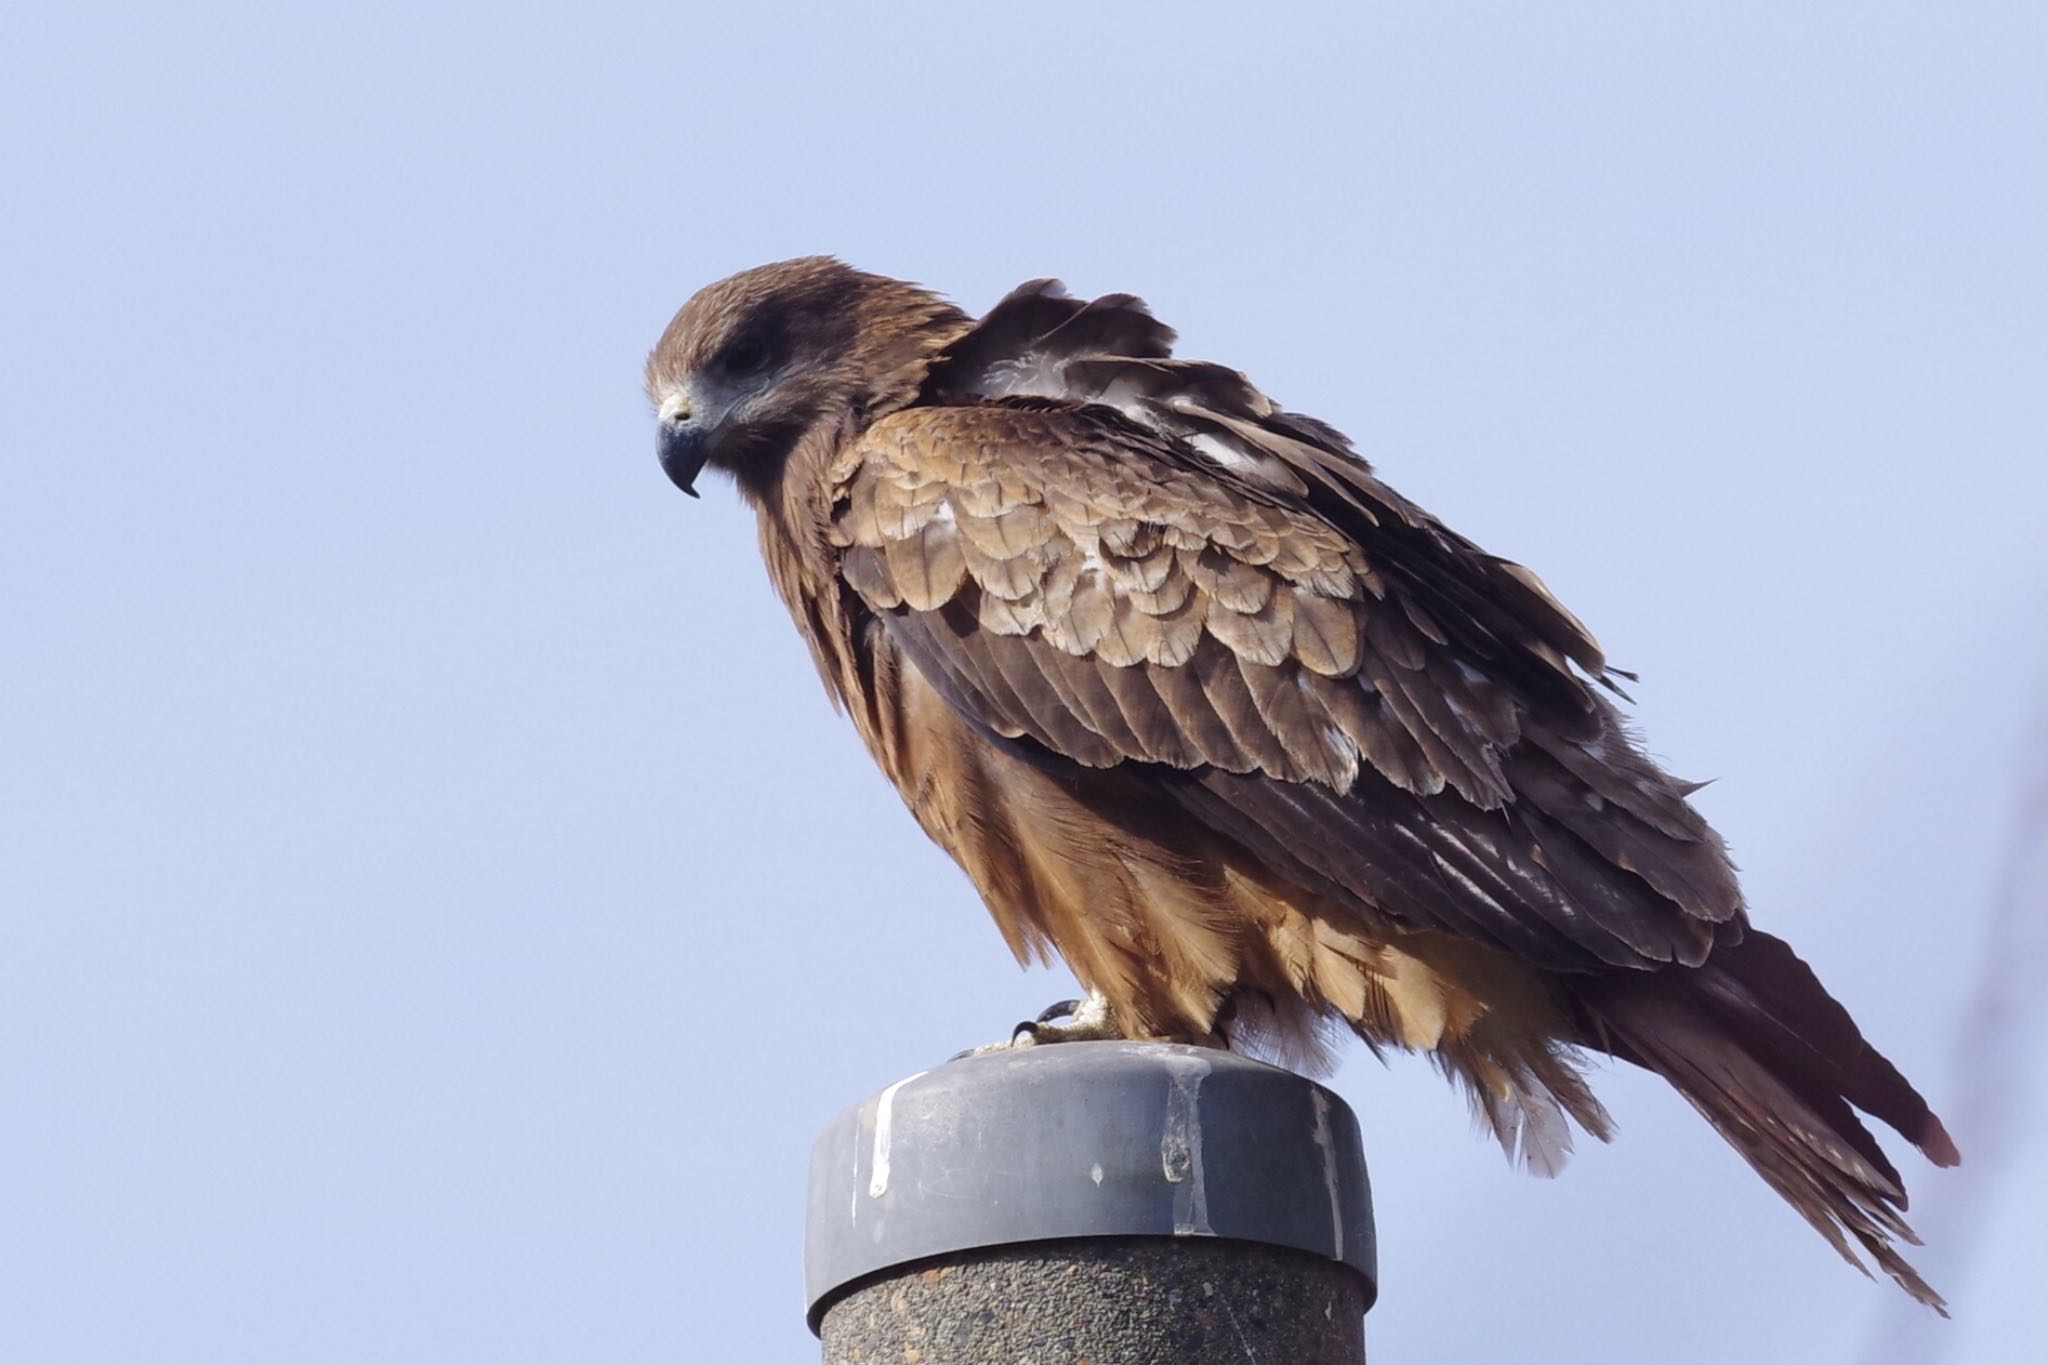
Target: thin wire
point(1997, 1044)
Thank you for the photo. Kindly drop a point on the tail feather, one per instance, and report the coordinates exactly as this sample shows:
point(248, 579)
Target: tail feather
point(1754, 1043)
point(1762, 985)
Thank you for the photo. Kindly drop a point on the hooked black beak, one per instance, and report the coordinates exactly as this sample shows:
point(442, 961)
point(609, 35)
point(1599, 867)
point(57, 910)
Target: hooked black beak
point(684, 449)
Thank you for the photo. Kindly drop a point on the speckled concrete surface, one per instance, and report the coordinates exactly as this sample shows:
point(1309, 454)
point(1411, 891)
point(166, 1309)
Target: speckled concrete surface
point(1106, 1301)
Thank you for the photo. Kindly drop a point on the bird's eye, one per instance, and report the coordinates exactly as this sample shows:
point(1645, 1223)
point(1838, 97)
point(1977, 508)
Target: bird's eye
point(744, 357)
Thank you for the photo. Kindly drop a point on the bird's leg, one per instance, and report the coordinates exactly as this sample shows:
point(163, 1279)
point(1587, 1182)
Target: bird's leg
point(1088, 1020)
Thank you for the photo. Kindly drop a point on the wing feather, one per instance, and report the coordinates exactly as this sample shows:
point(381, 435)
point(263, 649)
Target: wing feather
point(1329, 677)
point(1186, 701)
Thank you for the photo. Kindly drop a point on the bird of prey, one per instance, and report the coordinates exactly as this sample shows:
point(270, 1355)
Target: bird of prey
point(1255, 744)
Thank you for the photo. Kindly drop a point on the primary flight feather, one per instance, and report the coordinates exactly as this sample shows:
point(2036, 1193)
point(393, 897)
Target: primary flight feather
point(1248, 739)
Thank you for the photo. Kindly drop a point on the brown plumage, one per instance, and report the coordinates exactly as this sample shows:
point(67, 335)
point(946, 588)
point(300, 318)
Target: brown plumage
point(1247, 738)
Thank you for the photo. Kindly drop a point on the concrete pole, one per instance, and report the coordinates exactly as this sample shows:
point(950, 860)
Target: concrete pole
point(1115, 1203)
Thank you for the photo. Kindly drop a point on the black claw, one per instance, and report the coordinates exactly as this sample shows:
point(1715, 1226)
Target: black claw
point(1034, 1029)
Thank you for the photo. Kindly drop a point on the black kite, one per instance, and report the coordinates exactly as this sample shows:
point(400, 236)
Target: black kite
point(1249, 739)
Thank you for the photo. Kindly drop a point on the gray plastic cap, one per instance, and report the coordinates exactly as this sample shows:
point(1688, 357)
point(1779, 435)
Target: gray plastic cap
point(1103, 1139)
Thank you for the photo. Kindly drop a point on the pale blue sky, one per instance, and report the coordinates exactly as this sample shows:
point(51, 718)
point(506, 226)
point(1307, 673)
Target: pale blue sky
point(439, 905)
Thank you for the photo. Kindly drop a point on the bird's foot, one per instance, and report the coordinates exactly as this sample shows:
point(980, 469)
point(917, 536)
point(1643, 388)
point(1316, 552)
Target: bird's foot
point(1088, 1020)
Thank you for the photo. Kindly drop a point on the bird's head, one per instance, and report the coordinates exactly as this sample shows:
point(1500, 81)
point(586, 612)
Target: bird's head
point(754, 363)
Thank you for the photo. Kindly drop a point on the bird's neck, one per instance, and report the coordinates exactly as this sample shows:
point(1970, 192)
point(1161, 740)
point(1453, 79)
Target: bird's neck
point(794, 518)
